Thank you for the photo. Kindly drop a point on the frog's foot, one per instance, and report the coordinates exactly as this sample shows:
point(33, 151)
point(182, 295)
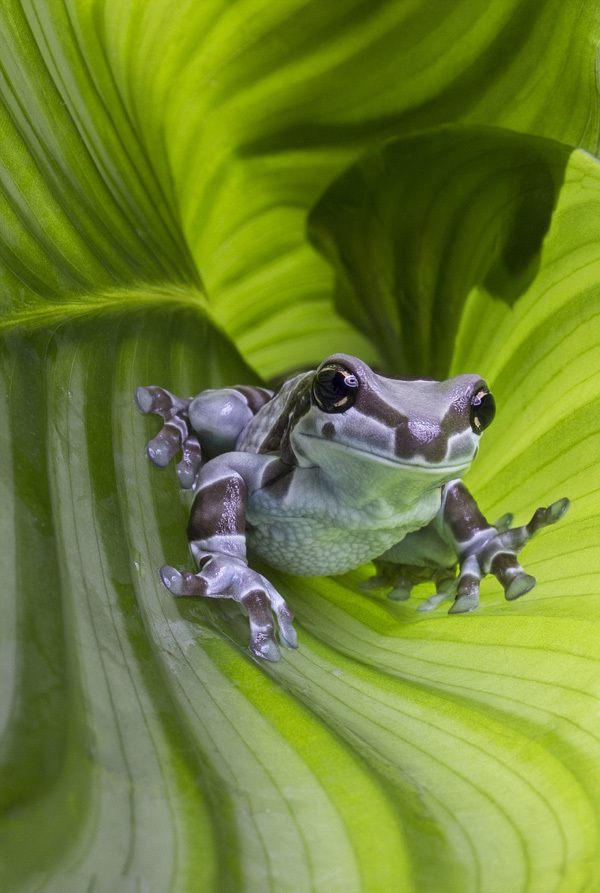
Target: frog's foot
point(229, 578)
point(467, 586)
point(401, 586)
point(498, 555)
point(175, 435)
point(401, 589)
point(390, 576)
point(445, 591)
point(514, 539)
point(375, 581)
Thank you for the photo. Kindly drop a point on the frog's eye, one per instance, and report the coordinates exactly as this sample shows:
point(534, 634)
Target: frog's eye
point(483, 410)
point(334, 388)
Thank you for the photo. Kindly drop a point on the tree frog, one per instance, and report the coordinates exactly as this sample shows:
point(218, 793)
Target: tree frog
point(338, 467)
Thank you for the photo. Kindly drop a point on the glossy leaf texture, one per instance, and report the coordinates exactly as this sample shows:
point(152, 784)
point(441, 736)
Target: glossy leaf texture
point(159, 162)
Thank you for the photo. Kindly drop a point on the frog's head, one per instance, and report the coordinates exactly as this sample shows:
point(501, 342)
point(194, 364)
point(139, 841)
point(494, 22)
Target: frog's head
point(426, 427)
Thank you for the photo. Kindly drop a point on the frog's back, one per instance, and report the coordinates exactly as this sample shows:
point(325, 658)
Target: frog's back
point(268, 431)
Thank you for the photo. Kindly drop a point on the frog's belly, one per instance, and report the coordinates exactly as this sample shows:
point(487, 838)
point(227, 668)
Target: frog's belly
point(318, 548)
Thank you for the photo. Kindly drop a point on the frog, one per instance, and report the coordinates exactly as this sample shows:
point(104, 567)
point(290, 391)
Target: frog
point(337, 467)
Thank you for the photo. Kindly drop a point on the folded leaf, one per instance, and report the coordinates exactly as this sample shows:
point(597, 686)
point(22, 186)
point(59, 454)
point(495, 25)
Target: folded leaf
point(158, 164)
point(414, 227)
point(170, 142)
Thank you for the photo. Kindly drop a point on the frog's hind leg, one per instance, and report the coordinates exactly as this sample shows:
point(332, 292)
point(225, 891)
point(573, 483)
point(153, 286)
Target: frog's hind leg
point(219, 416)
point(175, 435)
point(392, 577)
point(209, 423)
point(400, 579)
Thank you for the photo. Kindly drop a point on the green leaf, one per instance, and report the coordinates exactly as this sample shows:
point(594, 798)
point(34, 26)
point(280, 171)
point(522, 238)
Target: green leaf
point(414, 227)
point(161, 141)
point(164, 753)
point(159, 161)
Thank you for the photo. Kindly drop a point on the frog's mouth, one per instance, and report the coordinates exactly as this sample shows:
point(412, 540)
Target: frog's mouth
point(454, 467)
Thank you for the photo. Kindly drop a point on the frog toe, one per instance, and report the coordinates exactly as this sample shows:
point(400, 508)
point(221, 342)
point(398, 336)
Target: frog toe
point(175, 433)
point(287, 633)
point(172, 579)
point(511, 576)
point(519, 585)
point(558, 510)
point(181, 582)
point(431, 603)
point(191, 462)
point(159, 401)
point(466, 603)
point(187, 478)
point(374, 582)
point(504, 522)
point(262, 629)
point(289, 636)
point(399, 593)
point(446, 590)
point(161, 449)
point(285, 618)
point(143, 399)
point(543, 517)
point(467, 589)
point(266, 649)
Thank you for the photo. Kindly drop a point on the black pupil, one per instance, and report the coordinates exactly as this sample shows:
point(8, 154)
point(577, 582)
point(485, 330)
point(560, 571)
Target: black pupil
point(483, 410)
point(335, 389)
point(339, 385)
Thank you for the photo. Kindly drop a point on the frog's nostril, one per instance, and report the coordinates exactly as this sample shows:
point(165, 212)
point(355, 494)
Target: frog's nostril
point(483, 410)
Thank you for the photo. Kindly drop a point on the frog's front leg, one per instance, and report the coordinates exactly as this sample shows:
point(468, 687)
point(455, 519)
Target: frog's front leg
point(216, 532)
point(483, 548)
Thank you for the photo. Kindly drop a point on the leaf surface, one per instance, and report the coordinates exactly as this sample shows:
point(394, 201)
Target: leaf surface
point(159, 161)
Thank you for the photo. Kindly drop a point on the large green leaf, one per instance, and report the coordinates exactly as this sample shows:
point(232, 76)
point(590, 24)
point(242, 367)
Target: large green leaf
point(140, 135)
point(159, 161)
point(414, 227)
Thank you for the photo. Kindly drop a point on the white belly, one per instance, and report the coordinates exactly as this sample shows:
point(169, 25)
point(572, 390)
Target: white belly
point(318, 549)
point(317, 538)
